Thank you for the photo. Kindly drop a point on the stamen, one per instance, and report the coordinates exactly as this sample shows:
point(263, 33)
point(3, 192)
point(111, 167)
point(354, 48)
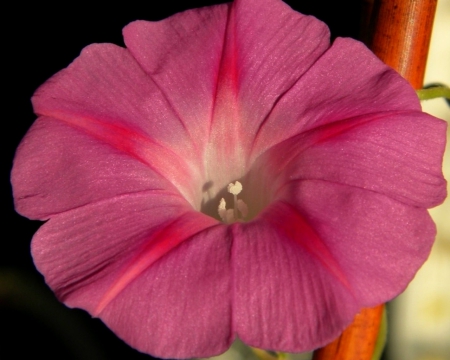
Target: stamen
point(223, 210)
point(235, 188)
point(231, 215)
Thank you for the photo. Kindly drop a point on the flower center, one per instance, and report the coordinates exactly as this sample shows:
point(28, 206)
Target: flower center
point(240, 209)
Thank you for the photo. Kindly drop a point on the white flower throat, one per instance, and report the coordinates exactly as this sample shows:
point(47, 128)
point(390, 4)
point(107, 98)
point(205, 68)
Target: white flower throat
point(240, 209)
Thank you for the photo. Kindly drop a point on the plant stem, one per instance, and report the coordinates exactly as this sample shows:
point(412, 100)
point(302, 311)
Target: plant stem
point(433, 93)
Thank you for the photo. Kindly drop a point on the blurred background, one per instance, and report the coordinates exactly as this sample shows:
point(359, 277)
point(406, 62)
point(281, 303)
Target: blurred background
point(37, 44)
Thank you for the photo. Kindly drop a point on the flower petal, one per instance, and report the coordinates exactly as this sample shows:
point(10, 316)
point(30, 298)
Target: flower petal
point(380, 243)
point(398, 154)
point(181, 56)
point(148, 253)
point(330, 91)
point(324, 252)
point(181, 306)
point(81, 164)
point(107, 85)
point(280, 264)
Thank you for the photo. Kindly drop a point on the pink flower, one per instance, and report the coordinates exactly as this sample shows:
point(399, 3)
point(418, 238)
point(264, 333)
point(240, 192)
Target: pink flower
point(134, 149)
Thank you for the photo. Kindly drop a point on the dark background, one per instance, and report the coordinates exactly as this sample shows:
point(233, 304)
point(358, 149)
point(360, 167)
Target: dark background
point(39, 40)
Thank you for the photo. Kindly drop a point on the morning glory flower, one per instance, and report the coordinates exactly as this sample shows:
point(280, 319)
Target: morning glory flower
point(229, 174)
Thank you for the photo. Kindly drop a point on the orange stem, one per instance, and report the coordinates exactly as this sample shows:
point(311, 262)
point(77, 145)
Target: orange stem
point(399, 34)
point(357, 341)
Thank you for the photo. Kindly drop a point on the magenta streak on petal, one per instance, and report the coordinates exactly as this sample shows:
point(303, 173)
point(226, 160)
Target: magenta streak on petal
point(320, 134)
point(226, 79)
point(285, 218)
point(159, 244)
point(161, 159)
point(224, 156)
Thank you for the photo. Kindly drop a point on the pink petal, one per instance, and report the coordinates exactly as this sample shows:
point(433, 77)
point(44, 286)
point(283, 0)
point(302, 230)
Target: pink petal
point(181, 306)
point(107, 85)
point(290, 293)
point(147, 256)
point(347, 81)
point(181, 56)
point(270, 47)
point(325, 252)
point(82, 163)
point(398, 154)
point(379, 243)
